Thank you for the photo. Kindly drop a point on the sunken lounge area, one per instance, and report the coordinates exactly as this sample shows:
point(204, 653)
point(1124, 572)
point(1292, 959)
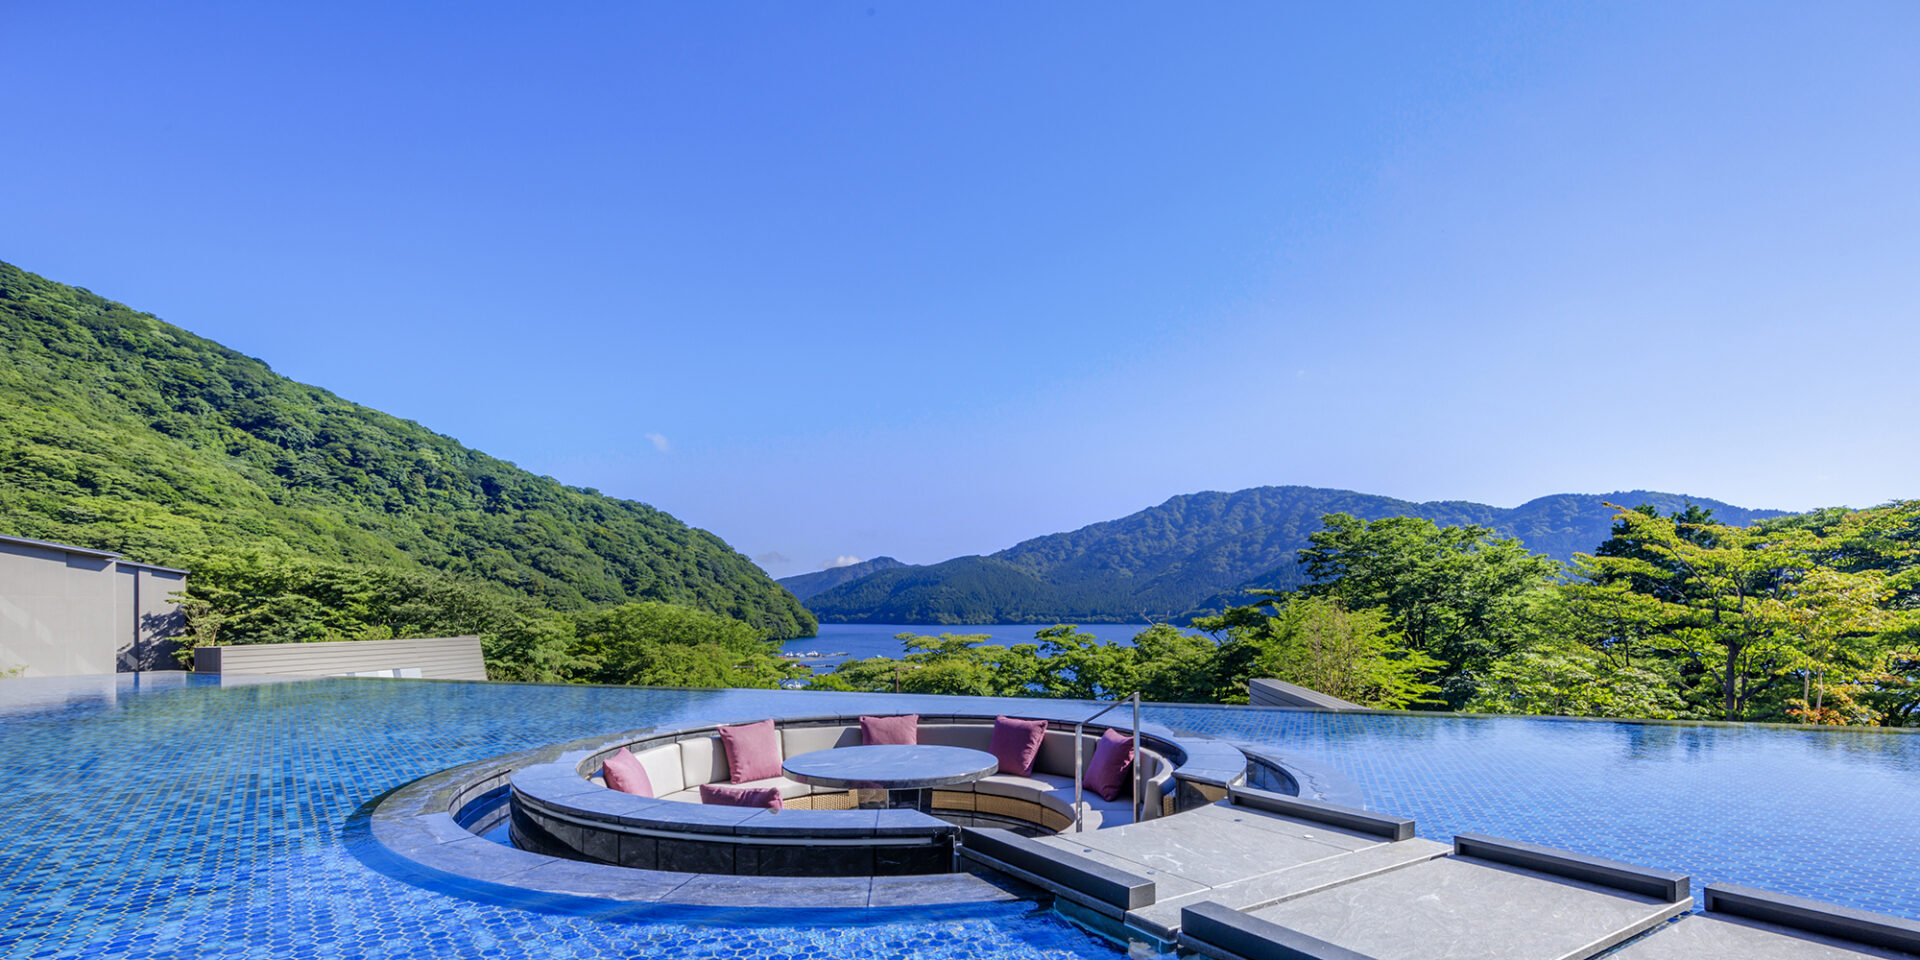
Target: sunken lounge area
point(1212, 866)
point(839, 795)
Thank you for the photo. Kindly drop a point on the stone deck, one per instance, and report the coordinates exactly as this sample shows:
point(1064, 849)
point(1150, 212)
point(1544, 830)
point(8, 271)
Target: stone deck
point(1256, 877)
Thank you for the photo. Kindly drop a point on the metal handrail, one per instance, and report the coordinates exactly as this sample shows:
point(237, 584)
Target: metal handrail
point(1079, 766)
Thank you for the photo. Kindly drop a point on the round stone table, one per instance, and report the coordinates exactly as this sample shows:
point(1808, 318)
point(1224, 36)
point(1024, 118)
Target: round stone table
point(898, 775)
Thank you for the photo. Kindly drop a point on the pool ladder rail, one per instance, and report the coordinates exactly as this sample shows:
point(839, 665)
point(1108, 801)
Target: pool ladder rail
point(1080, 767)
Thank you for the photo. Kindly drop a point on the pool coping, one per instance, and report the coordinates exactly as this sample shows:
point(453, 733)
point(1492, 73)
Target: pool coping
point(411, 833)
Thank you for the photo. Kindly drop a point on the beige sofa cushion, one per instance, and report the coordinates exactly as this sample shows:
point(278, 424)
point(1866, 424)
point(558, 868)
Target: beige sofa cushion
point(798, 740)
point(663, 769)
point(703, 760)
point(973, 736)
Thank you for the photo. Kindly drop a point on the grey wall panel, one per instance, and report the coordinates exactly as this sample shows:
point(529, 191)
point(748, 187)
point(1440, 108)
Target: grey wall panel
point(444, 658)
point(157, 619)
point(58, 610)
point(126, 646)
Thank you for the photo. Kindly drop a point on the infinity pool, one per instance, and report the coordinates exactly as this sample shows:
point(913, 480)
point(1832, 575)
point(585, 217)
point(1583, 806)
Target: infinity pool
point(168, 816)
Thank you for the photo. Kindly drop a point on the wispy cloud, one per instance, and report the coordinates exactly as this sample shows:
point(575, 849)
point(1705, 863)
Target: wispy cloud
point(772, 557)
point(843, 560)
point(660, 442)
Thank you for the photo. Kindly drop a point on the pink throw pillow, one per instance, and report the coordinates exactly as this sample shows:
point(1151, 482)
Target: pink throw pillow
point(723, 795)
point(1107, 775)
point(753, 751)
point(903, 729)
point(1015, 743)
point(623, 772)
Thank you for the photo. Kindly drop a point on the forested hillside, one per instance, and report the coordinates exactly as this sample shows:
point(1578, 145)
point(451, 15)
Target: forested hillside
point(121, 432)
point(805, 585)
point(1812, 618)
point(1196, 554)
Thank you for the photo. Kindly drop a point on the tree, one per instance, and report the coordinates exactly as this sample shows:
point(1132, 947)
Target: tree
point(1744, 607)
point(660, 644)
point(1173, 666)
point(1461, 595)
point(1317, 643)
point(1081, 666)
point(949, 663)
point(1570, 680)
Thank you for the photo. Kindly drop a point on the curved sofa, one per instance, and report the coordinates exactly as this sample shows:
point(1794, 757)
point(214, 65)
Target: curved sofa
point(561, 808)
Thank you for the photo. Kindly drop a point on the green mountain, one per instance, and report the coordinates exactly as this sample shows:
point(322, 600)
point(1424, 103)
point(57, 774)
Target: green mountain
point(121, 432)
point(1194, 553)
point(804, 585)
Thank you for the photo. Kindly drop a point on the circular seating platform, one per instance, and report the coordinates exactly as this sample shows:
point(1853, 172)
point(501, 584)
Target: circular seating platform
point(562, 808)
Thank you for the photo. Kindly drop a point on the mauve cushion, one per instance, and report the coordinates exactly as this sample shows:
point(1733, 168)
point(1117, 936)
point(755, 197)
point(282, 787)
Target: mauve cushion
point(721, 794)
point(1112, 762)
point(903, 729)
point(623, 772)
point(1015, 743)
point(753, 751)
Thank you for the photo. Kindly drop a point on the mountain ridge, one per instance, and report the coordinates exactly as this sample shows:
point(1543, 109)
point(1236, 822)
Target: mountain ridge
point(1195, 552)
point(123, 432)
point(804, 585)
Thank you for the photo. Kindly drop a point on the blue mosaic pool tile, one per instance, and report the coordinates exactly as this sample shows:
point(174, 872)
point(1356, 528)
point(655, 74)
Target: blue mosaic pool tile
point(174, 817)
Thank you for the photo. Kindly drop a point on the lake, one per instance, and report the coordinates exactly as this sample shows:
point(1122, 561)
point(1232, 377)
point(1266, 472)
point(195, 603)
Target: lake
point(858, 641)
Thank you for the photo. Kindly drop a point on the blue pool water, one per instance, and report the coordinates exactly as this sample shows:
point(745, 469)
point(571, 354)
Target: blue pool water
point(165, 817)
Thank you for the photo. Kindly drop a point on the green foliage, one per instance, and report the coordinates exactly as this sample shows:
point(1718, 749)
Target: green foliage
point(124, 433)
point(1805, 619)
point(1176, 666)
point(949, 663)
point(259, 597)
point(1461, 595)
point(1356, 656)
point(1572, 681)
point(1310, 640)
point(1081, 666)
point(659, 644)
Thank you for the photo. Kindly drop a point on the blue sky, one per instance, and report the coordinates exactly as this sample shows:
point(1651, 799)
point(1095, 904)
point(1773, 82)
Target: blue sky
point(927, 279)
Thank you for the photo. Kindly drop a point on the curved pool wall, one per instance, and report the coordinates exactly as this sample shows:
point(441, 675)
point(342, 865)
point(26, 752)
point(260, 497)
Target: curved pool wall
point(170, 816)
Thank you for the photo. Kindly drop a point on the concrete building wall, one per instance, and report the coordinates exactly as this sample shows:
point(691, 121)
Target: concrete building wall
point(70, 611)
point(150, 616)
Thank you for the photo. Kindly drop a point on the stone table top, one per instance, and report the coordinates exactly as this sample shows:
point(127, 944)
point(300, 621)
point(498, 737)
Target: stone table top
point(891, 767)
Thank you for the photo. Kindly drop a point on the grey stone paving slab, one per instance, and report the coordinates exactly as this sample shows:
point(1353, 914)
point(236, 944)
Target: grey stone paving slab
point(1224, 812)
point(814, 892)
point(443, 827)
point(478, 859)
point(1207, 851)
point(601, 881)
point(1457, 908)
point(936, 889)
point(1701, 937)
point(1164, 915)
point(1166, 884)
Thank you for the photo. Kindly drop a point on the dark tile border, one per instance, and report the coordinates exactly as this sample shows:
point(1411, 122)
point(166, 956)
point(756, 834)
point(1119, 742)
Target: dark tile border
point(1814, 916)
point(1220, 931)
point(1109, 885)
point(1664, 885)
point(1361, 821)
